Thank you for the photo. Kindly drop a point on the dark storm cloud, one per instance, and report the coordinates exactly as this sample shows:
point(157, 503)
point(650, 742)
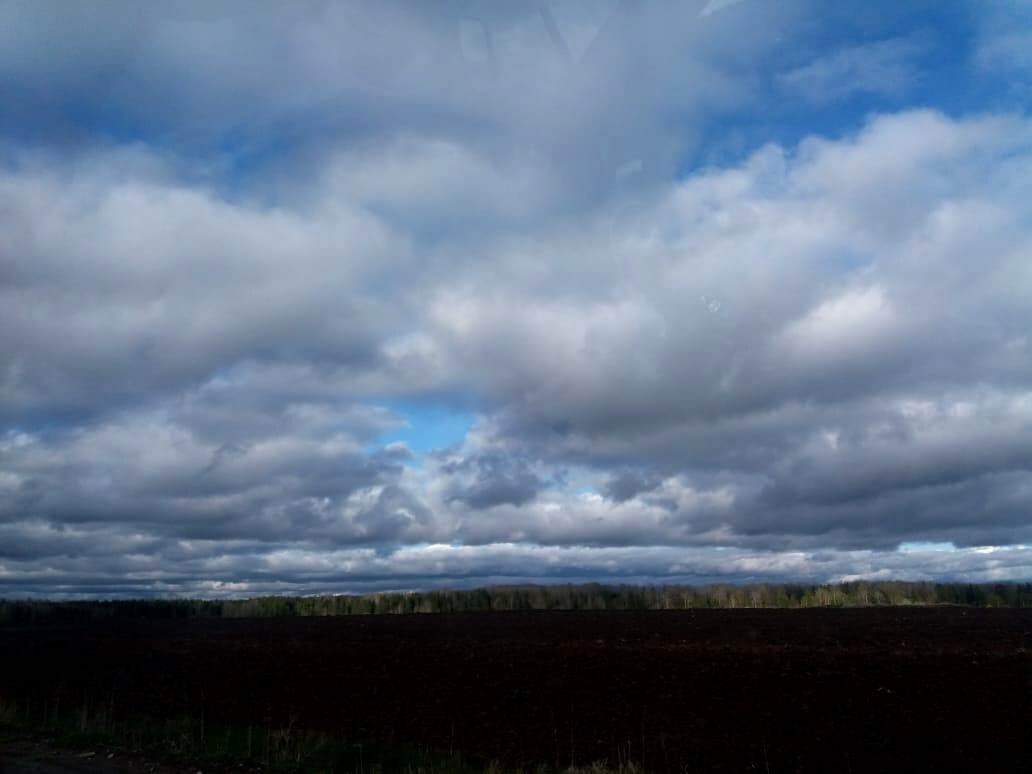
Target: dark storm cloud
point(229, 236)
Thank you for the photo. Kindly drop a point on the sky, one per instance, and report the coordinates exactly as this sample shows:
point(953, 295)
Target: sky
point(303, 297)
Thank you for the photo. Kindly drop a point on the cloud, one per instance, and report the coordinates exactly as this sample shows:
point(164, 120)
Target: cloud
point(222, 462)
point(626, 484)
point(217, 280)
point(486, 480)
point(275, 86)
point(826, 290)
point(294, 571)
point(887, 68)
point(119, 287)
point(1002, 28)
point(215, 364)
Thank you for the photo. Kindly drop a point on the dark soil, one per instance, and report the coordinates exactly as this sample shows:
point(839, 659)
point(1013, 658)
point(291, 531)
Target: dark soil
point(843, 690)
point(33, 753)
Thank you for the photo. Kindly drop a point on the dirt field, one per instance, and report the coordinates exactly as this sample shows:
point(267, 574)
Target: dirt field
point(22, 753)
point(845, 690)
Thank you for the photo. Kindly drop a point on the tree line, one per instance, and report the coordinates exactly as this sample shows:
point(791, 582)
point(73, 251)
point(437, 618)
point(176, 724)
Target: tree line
point(590, 596)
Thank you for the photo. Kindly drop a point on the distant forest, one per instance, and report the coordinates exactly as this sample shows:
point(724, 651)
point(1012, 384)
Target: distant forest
point(516, 598)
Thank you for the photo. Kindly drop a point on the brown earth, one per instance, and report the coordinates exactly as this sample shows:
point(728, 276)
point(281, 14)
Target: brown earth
point(850, 690)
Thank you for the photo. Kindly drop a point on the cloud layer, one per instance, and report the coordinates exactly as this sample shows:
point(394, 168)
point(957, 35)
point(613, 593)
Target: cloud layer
point(232, 245)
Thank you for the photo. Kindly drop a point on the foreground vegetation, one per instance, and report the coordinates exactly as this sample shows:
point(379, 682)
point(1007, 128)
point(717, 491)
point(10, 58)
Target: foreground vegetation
point(515, 598)
point(188, 741)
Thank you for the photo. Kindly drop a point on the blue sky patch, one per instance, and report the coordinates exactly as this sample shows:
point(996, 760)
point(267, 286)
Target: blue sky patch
point(430, 425)
point(920, 546)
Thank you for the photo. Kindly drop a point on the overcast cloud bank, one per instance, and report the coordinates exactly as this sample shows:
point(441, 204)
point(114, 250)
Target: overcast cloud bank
point(721, 297)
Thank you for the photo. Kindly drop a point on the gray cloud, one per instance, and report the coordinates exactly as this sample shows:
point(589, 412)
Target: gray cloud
point(294, 571)
point(486, 480)
point(624, 485)
point(532, 80)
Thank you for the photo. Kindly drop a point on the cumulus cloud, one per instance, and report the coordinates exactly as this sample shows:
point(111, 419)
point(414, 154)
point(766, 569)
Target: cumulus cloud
point(826, 291)
point(783, 365)
point(485, 480)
